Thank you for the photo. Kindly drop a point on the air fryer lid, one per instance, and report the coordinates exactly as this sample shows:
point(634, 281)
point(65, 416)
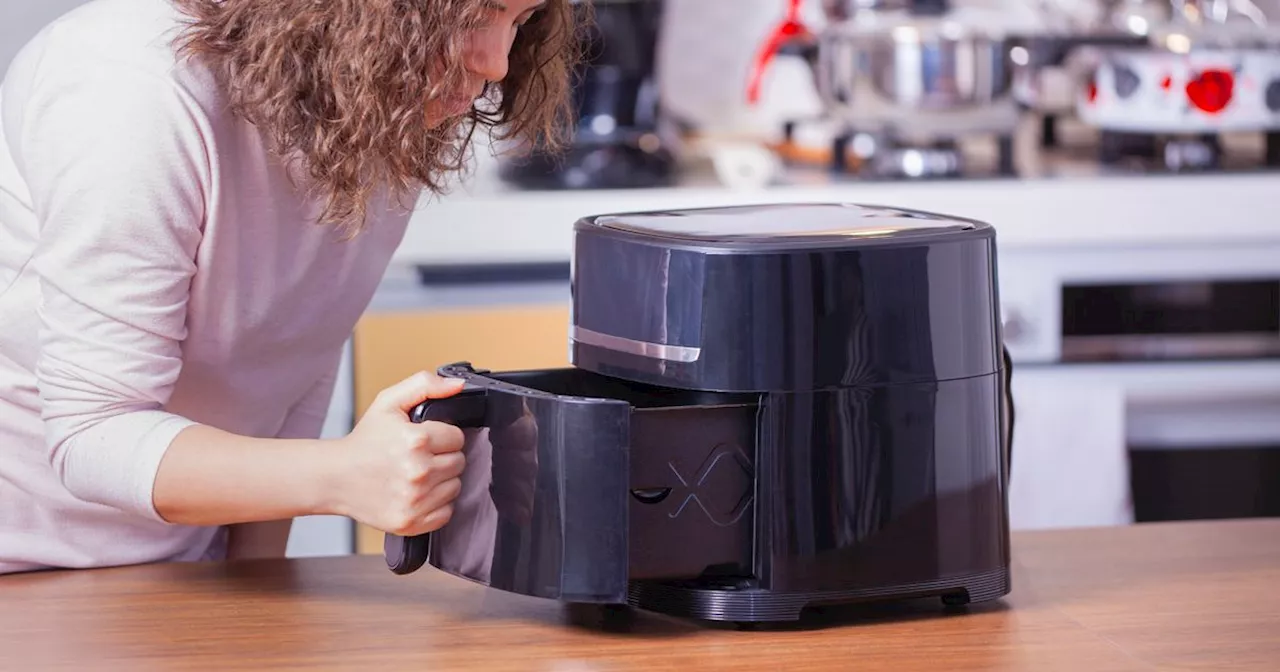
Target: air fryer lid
point(763, 226)
point(784, 297)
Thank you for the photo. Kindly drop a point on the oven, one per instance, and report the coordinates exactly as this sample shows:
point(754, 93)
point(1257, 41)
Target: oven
point(1154, 375)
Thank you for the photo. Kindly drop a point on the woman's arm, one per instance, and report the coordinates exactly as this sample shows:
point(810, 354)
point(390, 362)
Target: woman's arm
point(390, 473)
point(270, 539)
point(212, 477)
point(118, 174)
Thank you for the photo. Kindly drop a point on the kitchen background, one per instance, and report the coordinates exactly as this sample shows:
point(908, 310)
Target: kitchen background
point(1126, 151)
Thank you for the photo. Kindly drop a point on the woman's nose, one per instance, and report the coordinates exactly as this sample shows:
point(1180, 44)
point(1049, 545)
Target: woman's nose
point(488, 57)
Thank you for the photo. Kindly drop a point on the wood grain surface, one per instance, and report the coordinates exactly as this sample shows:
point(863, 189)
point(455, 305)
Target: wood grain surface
point(1186, 596)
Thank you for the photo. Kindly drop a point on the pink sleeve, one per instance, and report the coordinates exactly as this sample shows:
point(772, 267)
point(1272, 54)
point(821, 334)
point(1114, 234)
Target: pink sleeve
point(306, 418)
point(117, 168)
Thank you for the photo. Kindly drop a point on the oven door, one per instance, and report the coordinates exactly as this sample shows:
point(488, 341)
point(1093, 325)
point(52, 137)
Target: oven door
point(1209, 447)
point(1147, 383)
point(1116, 443)
point(1215, 457)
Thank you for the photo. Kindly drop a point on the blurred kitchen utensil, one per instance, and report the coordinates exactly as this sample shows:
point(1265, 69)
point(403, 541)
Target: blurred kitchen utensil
point(1210, 68)
point(617, 142)
point(917, 75)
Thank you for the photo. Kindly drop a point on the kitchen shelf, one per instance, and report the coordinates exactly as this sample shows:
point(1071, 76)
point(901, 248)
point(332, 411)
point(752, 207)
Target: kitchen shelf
point(495, 225)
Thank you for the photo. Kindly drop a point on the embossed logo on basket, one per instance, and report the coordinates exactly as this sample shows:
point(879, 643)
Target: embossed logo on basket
point(722, 487)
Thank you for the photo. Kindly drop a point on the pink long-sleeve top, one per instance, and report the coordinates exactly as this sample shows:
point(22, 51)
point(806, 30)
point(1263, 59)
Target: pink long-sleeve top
point(157, 269)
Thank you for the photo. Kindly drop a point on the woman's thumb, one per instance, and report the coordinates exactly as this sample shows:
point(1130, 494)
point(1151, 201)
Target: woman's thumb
point(408, 393)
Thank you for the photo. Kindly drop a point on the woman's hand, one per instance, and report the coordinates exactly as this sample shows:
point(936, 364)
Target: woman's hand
point(402, 477)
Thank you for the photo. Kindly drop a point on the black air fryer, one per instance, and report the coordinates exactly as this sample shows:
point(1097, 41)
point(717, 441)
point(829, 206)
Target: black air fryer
point(769, 408)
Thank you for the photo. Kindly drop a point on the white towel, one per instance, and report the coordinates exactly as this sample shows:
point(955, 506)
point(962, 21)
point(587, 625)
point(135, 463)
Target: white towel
point(466, 544)
point(1070, 459)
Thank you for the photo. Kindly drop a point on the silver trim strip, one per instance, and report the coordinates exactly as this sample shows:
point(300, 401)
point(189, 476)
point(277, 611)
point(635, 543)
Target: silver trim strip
point(671, 353)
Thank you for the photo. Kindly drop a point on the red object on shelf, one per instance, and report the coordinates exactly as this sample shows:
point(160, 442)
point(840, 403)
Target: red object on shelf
point(1211, 90)
point(791, 28)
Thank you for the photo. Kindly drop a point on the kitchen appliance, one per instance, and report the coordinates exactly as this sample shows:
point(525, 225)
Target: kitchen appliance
point(769, 407)
point(908, 81)
point(1186, 329)
point(617, 141)
point(1047, 74)
point(1212, 68)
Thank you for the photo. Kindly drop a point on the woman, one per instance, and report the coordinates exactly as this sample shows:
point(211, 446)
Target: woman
point(197, 201)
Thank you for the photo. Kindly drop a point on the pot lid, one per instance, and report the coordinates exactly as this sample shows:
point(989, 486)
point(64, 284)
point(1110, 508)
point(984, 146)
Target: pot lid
point(902, 26)
point(1182, 38)
point(1197, 24)
point(799, 223)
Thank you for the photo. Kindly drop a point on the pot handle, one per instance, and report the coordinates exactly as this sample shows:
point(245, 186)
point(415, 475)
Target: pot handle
point(466, 409)
point(790, 35)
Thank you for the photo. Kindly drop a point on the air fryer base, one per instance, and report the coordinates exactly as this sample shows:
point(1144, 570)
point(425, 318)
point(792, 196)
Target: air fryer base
point(755, 605)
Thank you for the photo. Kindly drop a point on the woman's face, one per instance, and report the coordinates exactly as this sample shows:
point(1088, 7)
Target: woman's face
point(487, 51)
point(389, 101)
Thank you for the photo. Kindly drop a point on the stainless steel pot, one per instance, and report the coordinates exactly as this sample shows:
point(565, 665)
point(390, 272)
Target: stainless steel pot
point(921, 63)
point(913, 54)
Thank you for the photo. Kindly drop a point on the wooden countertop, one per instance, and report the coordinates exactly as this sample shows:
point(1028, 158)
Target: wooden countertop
point(1185, 596)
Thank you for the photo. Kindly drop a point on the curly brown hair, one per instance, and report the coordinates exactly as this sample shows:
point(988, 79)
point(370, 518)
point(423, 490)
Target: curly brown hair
point(344, 86)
